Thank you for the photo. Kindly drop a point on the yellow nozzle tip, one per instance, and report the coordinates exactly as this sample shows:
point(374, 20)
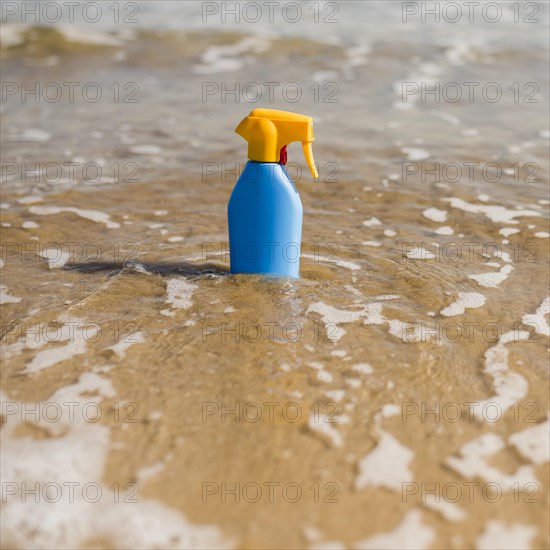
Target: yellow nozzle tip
point(314, 173)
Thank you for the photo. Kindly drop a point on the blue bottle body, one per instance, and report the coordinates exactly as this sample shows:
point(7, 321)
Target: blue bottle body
point(265, 222)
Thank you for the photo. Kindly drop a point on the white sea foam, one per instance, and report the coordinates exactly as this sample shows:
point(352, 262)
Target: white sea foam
point(363, 368)
point(496, 213)
point(338, 261)
point(415, 154)
point(372, 222)
point(435, 214)
point(332, 316)
point(475, 462)
point(180, 293)
point(324, 376)
point(6, 298)
point(122, 345)
point(460, 53)
point(370, 313)
point(389, 409)
point(143, 474)
point(385, 466)
point(326, 430)
point(219, 59)
point(12, 34)
point(71, 332)
point(533, 443)
point(409, 534)
point(29, 225)
point(30, 199)
point(320, 76)
point(507, 231)
point(336, 395)
point(444, 230)
point(94, 215)
point(510, 387)
point(449, 510)
point(538, 319)
point(420, 254)
point(492, 279)
point(77, 453)
point(32, 134)
point(447, 117)
point(56, 257)
point(146, 149)
point(466, 300)
point(503, 536)
point(82, 35)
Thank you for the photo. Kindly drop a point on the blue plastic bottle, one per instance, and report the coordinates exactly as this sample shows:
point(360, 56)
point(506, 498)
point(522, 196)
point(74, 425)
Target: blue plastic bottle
point(265, 210)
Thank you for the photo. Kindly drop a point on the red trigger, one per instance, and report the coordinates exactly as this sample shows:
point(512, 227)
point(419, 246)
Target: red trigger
point(283, 155)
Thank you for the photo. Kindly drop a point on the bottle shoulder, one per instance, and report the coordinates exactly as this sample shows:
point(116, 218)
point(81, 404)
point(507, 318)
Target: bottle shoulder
point(265, 185)
point(263, 176)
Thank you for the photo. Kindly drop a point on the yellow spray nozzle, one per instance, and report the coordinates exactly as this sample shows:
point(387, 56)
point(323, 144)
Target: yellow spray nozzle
point(270, 130)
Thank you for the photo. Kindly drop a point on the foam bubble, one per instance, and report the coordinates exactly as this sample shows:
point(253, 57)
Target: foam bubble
point(449, 510)
point(322, 426)
point(363, 368)
point(420, 254)
point(493, 279)
point(56, 258)
point(475, 462)
point(29, 225)
point(538, 320)
point(510, 387)
point(415, 154)
point(371, 222)
point(179, 293)
point(51, 356)
point(533, 443)
point(465, 300)
point(409, 534)
point(435, 214)
point(122, 345)
point(507, 231)
point(501, 536)
point(386, 466)
point(6, 298)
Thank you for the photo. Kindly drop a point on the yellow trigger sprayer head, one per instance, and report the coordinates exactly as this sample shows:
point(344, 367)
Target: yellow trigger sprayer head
point(269, 131)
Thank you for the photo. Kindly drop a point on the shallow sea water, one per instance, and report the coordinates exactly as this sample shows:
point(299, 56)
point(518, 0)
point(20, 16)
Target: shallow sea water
point(411, 356)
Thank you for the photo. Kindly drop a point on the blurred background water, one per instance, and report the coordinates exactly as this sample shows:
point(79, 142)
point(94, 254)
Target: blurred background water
point(424, 273)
